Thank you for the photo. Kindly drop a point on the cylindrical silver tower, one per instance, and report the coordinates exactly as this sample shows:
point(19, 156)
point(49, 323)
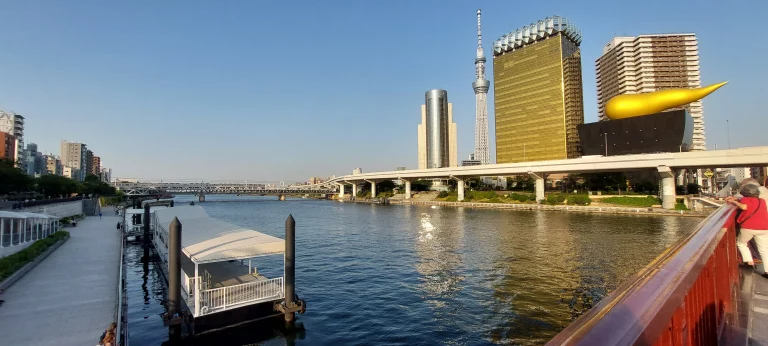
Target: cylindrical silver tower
point(436, 101)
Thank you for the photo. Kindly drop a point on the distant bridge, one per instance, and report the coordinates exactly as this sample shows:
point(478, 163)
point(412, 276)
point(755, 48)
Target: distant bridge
point(140, 188)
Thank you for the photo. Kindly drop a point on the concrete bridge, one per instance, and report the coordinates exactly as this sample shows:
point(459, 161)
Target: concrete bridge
point(665, 163)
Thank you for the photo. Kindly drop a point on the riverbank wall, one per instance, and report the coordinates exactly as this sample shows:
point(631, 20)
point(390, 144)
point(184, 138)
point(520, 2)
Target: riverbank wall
point(566, 208)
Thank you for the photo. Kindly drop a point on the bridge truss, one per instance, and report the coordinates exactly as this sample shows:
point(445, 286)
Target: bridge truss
point(158, 188)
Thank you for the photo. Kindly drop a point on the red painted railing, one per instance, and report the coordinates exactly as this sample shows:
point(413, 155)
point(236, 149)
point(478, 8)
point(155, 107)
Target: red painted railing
point(682, 298)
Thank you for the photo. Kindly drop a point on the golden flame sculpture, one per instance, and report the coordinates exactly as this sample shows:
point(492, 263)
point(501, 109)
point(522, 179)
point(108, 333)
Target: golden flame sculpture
point(635, 105)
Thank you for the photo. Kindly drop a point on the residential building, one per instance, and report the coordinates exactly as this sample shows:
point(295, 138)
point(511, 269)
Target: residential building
point(471, 161)
point(741, 173)
point(759, 173)
point(69, 172)
point(538, 92)
point(88, 163)
point(106, 175)
point(316, 180)
point(7, 146)
point(36, 164)
point(437, 133)
point(53, 165)
point(95, 167)
point(647, 63)
point(357, 171)
point(75, 156)
point(13, 124)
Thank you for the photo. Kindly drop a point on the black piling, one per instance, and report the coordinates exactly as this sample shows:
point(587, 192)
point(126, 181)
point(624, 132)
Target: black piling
point(290, 266)
point(174, 275)
point(171, 204)
point(146, 235)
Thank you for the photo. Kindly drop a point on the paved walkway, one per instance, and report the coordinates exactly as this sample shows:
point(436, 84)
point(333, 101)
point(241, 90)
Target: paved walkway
point(758, 324)
point(70, 297)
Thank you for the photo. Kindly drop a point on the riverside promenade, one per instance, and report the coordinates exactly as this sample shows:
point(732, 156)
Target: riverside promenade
point(70, 298)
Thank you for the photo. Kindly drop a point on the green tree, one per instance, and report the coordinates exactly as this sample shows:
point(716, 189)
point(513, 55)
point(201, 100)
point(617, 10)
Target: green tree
point(608, 181)
point(385, 186)
point(13, 179)
point(521, 183)
point(93, 185)
point(54, 185)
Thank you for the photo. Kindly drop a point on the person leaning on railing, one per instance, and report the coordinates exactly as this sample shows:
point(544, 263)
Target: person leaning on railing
point(754, 223)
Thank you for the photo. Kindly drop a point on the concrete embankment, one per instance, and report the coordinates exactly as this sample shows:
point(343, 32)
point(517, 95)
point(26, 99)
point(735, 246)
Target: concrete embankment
point(567, 208)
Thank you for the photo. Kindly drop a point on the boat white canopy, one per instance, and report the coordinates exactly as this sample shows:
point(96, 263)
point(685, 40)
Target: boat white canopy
point(38, 216)
point(205, 239)
point(12, 215)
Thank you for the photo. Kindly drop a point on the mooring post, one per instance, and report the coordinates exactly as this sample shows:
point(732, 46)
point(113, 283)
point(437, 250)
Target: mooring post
point(290, 266)
point(147, 231)
point(145, 236)
point(174, 274)
point(171, 204)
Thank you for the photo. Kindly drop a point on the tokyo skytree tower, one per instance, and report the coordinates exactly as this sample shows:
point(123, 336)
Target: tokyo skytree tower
point(480, 85)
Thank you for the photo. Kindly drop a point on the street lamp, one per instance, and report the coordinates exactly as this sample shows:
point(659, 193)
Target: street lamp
point(606, 143)
point(728, 132)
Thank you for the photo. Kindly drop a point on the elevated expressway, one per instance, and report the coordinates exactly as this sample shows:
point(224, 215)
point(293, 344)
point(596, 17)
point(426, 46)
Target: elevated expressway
point(665, 163)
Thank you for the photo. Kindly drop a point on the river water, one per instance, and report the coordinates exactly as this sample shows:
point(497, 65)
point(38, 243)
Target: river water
point(421, 275)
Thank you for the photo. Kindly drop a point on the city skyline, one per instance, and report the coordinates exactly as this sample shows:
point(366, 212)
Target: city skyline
point(216, 107)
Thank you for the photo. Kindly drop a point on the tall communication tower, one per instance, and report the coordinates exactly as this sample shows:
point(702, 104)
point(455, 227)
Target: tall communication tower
point(480, 85)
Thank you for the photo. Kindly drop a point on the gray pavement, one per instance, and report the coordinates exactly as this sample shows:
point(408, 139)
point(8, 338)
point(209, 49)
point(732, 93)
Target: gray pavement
point(758, 321)
point(70, 297)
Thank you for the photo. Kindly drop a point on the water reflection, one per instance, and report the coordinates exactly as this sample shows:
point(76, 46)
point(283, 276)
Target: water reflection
point(374, 274)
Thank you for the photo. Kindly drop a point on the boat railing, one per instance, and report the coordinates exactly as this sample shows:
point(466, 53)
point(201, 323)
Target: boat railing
point(684, 297)
point(188, 284)
point(219, 299)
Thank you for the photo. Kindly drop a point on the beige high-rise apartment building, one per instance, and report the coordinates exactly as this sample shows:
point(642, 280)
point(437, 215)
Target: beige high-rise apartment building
point(74, 156)
point(647, 63)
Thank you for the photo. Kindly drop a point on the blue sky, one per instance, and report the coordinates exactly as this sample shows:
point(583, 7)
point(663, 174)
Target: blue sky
point(284, 90)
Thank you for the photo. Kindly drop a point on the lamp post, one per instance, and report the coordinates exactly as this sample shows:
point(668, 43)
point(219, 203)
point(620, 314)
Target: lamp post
point(606, 143)
point(728, 132)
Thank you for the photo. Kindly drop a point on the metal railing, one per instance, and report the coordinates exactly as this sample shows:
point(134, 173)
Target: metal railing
point(188, 285)
point(217, 299)
point(684, 297)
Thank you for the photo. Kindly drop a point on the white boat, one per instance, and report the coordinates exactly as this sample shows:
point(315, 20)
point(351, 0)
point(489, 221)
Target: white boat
point(220, 283)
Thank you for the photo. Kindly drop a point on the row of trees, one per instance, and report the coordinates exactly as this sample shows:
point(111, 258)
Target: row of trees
point(14, 181)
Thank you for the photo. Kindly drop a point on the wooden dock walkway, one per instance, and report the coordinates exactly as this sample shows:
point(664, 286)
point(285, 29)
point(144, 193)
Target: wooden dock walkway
point(70, 298)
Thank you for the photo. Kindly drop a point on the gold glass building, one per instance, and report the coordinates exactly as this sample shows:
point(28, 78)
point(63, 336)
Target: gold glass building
point(538, 92)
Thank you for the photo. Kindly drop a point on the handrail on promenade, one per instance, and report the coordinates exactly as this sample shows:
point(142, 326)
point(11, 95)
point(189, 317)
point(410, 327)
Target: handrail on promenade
point(683, 297)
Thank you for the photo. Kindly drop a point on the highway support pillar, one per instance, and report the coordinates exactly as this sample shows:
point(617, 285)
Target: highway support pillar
point(539, 177)
point(354, 189)
point(407, 189)
point(373, 188)
point(174, 277)
point(459, 188)
point(668, 197)
point(341, 191)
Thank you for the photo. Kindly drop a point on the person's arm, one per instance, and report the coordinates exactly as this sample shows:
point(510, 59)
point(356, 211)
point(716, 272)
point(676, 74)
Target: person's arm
point(738, 204)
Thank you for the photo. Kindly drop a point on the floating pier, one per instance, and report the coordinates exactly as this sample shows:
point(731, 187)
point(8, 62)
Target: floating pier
point(212, 270)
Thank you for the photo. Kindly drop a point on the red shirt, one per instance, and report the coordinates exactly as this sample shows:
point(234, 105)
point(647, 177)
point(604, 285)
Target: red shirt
point(756, 215)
